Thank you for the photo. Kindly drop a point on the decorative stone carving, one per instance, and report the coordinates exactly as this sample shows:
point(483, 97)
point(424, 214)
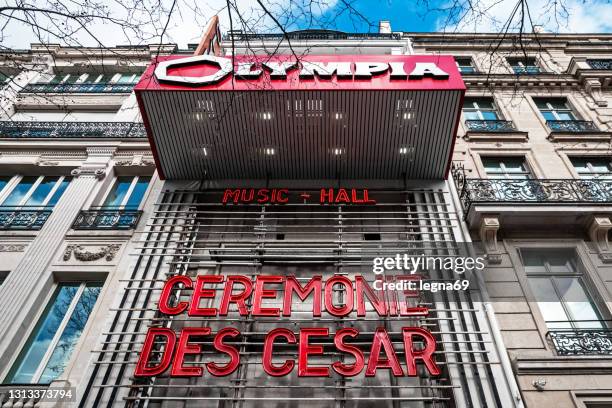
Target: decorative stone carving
point(81, 254)
point(488, 235)
point(135, 161)
point(47, 163)
point(593, 87)
point(89, 171)
point(598, 232)
point(12, 247)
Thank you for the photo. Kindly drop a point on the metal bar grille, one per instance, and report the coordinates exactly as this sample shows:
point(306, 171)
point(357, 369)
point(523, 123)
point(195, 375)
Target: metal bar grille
point(190, 233)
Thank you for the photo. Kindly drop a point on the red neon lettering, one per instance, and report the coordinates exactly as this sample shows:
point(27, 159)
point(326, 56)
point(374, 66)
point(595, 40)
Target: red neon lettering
point(184, 348)
point(277, 371)
point(305, 350)
point(239, 299)
point(233, 195)
point(342, 196)
point(200, 293)
point(425, 355)
point(329, 296)
point(142, 368)
point(362, 288)
point(261, 293)
point(293, 286)
point(348, 370)
point(219, 370)
point(381, 341)
point(164, 298)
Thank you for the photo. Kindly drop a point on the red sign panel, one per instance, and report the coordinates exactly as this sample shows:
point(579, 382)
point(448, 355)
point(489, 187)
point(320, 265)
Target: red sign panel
point(311, 72)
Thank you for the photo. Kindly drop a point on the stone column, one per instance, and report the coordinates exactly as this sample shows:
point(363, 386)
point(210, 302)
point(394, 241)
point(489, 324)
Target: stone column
point(27, 285)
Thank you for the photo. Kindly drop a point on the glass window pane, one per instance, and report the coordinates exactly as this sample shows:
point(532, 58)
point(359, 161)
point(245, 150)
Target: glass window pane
point(472, 115)
point(549, 115)
point(33, 352)
point(118, 192)
point(549, 303)
point(59, 192)
point(578, 302)
point(490, 115)
point(42, 191)
point(19, 191)
point(138, 192)
point(3, 182)
point(71, 334)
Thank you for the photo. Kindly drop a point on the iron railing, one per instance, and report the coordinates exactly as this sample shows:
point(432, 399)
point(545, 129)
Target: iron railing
point(23, 218)
point(26, 129)
point(78, 88)
point(571, 126)
point(602, 64)
point(581, 342)
point(527, 70)
point(520, 191)
point(106, 218)
point(490, 125)
point(311, 35)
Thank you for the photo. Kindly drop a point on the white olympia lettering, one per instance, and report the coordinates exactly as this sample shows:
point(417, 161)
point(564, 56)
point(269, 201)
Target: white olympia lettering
point(278, 70)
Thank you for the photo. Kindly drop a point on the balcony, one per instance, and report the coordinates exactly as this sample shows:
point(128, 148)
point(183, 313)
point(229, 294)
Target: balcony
point(23, 218)
point(512, 191)
point(572, 126)
point(581, 342)
point(490, 125)
point(78, 88)
point(600, 64)
point(494, 130)
point(107, 218)
point(71, 130)
point(561, 203)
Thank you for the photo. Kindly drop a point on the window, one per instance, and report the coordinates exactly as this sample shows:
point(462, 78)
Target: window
point(506, 167)
point(556, 281)
point(593, 167)
point(465, 65)
point(35, 191)
point(524, 65)
point(480, 109)
point(555, 109)
point(4, 78)
point(128, 78)
point(127, 191)
point(49, 347)
point(64, 116)
point(91, 78)
point(3, 275)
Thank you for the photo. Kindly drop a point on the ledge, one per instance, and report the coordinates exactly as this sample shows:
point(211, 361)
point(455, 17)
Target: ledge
point(563, 365)
point(516, 136)
point(580, 136)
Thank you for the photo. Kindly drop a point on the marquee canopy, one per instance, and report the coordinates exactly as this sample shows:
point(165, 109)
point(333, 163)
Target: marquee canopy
point(302, 117)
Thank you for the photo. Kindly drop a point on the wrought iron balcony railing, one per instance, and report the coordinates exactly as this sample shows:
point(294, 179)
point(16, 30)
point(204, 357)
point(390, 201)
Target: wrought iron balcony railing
point(107, 218)
point(602, 64)
point(581, 342)
point(311, 35)
point(511, 191)
point(111, 130)
point(78, 88)
point(572, 126)
point(490, 125)
point(23, 218)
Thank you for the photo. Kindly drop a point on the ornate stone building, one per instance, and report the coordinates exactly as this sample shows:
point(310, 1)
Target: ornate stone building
point(90, 232)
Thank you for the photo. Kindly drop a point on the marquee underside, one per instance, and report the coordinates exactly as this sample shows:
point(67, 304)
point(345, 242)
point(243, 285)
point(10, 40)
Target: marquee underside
point(375, 134)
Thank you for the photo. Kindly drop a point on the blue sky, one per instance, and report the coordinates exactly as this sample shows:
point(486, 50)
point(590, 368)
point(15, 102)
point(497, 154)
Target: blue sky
point(590, 16)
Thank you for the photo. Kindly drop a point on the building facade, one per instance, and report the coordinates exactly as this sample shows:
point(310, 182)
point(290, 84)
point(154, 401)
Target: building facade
point(98, 210)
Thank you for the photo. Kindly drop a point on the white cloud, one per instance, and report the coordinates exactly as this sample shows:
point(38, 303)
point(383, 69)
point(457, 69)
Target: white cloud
point(566, 16)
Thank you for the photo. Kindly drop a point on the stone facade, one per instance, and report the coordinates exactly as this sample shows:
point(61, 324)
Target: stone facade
point(34, 260)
